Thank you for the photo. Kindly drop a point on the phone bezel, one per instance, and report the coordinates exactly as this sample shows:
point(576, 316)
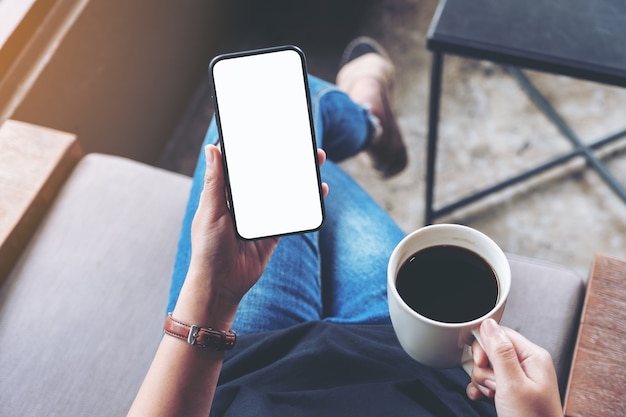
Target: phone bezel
point(224, 148)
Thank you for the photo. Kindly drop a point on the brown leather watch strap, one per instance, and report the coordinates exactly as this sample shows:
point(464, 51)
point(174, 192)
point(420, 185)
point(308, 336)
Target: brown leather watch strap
point(200, 336)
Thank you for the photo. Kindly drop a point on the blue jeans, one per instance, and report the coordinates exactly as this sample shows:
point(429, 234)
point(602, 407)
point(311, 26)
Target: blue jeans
point(337, 274)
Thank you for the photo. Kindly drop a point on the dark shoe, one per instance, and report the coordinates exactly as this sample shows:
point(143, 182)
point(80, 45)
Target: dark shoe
point(365, 58)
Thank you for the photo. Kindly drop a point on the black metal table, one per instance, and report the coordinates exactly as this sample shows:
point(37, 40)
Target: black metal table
point(585, 39)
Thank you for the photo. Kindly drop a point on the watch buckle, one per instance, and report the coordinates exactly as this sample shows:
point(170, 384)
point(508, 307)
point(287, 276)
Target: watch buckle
point(193, 334)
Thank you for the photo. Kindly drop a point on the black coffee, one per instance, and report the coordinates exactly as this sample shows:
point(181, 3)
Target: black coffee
point(448, 284)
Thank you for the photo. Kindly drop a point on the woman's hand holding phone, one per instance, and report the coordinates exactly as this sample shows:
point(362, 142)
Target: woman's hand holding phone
point(223, 267)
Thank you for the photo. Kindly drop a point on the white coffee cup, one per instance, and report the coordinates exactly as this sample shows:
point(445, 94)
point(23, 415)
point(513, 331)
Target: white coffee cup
point(435, 343)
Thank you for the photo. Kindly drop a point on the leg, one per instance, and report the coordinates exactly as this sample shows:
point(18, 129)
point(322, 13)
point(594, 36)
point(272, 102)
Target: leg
point(356, 242)
point(351, 251)
point(342, 128)
point(366, 75)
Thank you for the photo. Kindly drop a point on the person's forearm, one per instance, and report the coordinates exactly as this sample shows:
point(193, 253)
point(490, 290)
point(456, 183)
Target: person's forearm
point(181, 381)
point(182, 378)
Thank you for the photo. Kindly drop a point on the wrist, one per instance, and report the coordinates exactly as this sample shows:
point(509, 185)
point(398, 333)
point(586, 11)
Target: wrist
point(204, 306)
point(215, 318)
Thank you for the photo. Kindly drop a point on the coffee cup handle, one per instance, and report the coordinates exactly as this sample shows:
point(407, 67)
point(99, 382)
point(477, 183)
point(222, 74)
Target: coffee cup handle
point(468, 360)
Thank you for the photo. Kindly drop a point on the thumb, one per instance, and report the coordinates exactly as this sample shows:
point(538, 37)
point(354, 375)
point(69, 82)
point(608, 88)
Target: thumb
point(213, 195)
point(501, 352)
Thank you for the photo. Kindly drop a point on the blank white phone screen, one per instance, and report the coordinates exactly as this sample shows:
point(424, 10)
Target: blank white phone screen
point(268, 143)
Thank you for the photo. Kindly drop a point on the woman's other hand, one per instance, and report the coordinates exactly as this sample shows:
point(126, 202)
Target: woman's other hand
point(516, 373)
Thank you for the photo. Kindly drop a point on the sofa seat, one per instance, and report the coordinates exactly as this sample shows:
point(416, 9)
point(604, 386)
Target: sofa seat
point(81, 313)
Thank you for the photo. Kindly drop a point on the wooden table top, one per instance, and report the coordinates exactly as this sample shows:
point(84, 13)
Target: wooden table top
point(597, 384)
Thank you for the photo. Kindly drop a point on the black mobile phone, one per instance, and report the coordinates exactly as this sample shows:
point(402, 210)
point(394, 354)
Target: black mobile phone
point(263, 114)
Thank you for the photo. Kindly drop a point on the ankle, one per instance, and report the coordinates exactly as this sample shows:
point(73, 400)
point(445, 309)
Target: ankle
point(377, 131)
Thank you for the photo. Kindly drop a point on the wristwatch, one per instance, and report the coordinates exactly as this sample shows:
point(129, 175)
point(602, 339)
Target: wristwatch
point(204, 337)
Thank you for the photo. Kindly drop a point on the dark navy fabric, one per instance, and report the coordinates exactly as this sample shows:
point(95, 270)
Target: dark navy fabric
point(325, 369)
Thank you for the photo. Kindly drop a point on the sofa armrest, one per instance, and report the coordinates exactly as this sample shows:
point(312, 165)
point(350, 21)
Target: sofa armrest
point(544, 305)
point(34, 163)
point(597, 384)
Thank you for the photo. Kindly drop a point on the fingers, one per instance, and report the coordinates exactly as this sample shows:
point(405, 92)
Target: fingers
point(321, 158)
point(213, 175)
point(483, 378)
point(479, 392)
point(498, 347)
point(536, 362)
point(501, 351)
point(527, 349)
point(479, 356)
point(213, 197)
point(473, 393)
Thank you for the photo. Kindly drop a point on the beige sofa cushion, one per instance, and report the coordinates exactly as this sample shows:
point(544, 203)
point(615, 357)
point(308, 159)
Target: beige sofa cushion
point(544, 305)
point(81, 313)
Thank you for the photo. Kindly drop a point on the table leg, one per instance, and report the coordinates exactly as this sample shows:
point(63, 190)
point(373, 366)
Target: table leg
point(592, 160)
point(433, 124)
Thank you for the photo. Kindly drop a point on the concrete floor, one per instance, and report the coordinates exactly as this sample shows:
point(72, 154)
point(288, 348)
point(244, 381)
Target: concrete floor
point(489, 130)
